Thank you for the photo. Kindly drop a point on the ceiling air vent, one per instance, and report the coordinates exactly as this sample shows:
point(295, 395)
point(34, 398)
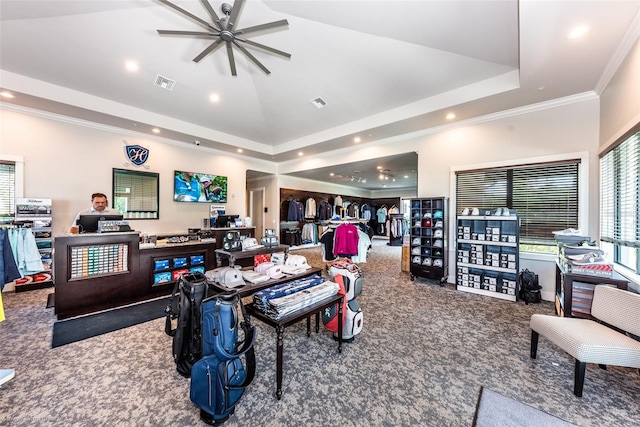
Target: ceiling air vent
point(164, 82)
point(319, 102)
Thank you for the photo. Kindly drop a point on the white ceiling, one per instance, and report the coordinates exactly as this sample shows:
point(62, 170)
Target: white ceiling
point(385, 68)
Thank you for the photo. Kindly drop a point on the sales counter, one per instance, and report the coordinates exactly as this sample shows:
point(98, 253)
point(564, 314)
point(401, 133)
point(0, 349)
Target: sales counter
point(99, 271)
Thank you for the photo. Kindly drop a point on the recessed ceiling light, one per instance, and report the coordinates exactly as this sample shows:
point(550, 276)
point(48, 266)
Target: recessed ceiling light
point(378, 167)
point(239, 150)
point(406, 176)
point(331, 174)
point(214, 97)
point(6, 94)
point(578, 32)
point(131, 66)
point(451, 116)
point(300, 153)
point(356, 139)
point(155, 130)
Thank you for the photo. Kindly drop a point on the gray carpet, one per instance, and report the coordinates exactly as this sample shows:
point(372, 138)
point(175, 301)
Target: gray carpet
point(421, 360)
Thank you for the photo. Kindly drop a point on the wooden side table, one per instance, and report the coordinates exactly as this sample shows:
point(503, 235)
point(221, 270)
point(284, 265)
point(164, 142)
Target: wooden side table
point(291, 319)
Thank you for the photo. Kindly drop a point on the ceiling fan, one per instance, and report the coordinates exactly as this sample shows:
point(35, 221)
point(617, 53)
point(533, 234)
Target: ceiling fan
point(224, 30)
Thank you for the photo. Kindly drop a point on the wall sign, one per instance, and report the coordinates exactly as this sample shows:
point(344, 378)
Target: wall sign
point(136, 154)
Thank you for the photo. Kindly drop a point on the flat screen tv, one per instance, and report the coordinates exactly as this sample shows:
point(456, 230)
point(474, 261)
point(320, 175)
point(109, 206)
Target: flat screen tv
point(89, 223)
point(199, 187)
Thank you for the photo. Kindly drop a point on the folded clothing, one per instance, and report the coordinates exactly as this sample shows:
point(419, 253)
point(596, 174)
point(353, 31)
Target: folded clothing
point(262, 297)
point(283, 306)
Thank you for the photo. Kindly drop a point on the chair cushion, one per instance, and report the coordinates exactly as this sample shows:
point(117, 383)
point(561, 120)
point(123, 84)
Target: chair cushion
point(588, 341)
point(617, 307)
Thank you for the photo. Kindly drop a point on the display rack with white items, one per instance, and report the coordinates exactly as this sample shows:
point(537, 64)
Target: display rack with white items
point(36, 214)
point(488, 255)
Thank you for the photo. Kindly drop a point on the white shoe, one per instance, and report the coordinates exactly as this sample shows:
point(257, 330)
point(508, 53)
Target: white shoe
point(6, 375)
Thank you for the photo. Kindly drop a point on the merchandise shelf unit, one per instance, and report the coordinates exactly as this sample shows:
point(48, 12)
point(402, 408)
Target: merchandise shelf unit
point(488, 255)
point(428, 256)
point(36, 213)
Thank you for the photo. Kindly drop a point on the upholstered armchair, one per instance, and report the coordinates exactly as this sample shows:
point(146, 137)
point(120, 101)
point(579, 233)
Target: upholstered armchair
point(610, 339)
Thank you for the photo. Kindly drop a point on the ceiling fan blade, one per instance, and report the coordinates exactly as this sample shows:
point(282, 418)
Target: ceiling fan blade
point(213, 46)
point(251, 57)
point(186, 33)
point(235, 14)
point(267, 26)
point(212, 13)
point(232, 62)
point(189, 14)
point(261, 46)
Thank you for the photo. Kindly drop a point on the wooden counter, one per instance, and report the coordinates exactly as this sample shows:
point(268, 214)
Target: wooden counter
point(94, 271)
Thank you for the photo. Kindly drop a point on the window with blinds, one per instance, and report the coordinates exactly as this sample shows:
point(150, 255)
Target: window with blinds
point(136, 194)
point(7, 191)
point(620, 202)
point(545, 196)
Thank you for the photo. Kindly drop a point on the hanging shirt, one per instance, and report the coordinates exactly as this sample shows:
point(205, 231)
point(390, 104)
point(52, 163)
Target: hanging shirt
point(326, 239)
point(8, 267)
point(310, 208)
point(381, 213)
point(345, 241)
point(325, 210)
point(364, 242)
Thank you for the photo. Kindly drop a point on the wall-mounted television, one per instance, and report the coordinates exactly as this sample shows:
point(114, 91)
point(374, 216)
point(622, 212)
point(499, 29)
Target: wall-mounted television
point(199, 187)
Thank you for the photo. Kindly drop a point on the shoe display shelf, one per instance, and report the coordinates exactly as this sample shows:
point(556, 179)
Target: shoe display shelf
point(428, 253)
point(487, 254)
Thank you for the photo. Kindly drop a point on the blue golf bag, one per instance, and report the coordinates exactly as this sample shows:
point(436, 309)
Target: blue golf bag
point(219, 379)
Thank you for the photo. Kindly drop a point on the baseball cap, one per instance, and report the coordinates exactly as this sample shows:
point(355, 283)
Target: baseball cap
point(232, 278)
point(275, 272)
point(262, 268)
point(205, 179)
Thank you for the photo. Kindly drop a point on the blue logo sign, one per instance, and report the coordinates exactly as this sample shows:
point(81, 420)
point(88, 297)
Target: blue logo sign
point(136, 154)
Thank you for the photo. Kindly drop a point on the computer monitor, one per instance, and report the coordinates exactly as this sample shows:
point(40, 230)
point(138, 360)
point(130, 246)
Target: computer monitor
point(222, 221)
point(89, 223)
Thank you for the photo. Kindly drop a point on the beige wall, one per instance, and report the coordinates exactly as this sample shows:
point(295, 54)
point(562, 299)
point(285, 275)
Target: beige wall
point(67, 162)
point(620, 100)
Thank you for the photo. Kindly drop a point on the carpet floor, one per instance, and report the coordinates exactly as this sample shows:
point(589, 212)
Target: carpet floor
point(421, 359)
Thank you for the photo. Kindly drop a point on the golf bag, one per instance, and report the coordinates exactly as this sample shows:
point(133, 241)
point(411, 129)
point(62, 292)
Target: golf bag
point(219, 379)
point(349, 276)
point(185, 308)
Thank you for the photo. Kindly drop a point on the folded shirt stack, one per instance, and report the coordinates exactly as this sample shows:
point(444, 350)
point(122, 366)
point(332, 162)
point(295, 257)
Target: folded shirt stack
point(262, 297)
point(283, 306)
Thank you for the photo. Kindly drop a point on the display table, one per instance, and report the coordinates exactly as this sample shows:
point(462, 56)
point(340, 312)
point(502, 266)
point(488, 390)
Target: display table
point(574, 291)
point(251, 288)
point(291, 319)
point(233, 256)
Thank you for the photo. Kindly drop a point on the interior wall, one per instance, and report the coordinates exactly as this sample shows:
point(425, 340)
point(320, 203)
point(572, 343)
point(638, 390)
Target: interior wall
point(620, 100)
point(67, 162)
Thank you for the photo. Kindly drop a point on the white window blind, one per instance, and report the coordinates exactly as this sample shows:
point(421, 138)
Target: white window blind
point(545, 196)
point(7, 190)
point(619, 200)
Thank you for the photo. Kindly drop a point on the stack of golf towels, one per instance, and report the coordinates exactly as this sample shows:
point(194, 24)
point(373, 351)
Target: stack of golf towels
point(286, 298)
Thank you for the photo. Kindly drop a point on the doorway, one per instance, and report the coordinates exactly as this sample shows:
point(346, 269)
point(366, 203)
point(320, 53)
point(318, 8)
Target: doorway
point(256, 209)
